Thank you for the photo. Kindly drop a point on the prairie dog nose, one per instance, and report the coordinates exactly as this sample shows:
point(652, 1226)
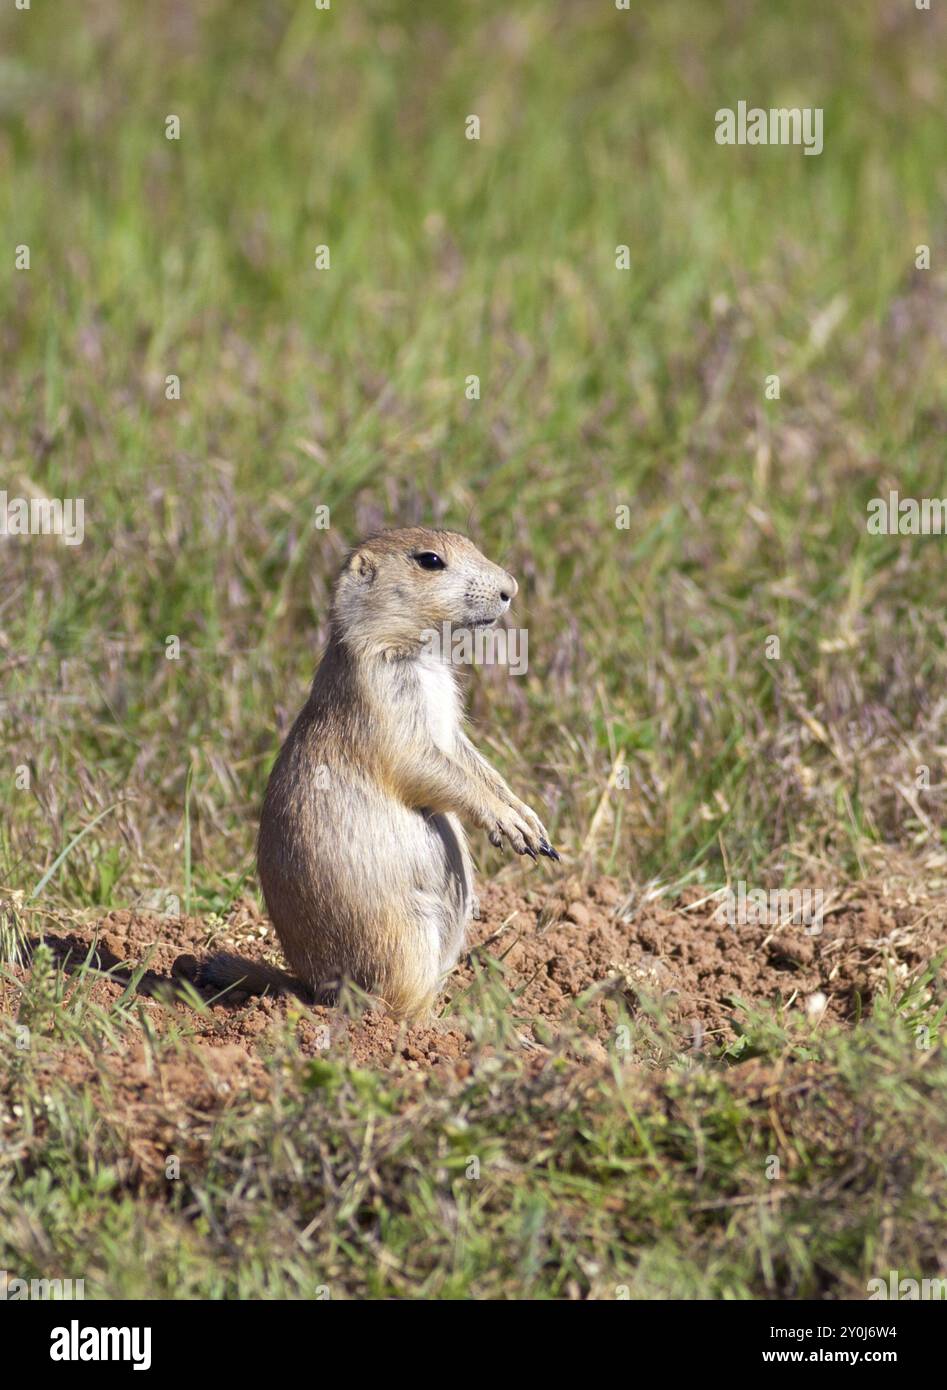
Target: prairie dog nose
point(508, 588)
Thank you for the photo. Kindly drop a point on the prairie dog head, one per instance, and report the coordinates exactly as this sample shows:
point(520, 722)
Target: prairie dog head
point(398, 585)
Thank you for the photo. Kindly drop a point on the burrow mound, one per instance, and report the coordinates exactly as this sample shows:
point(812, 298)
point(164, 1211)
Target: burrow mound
point(570, 954)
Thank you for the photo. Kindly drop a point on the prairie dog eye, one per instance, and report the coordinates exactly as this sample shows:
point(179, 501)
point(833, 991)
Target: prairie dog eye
point(428, 560)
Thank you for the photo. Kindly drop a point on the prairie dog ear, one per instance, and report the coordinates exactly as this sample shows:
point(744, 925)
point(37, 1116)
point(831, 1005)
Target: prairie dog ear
point(362, 567)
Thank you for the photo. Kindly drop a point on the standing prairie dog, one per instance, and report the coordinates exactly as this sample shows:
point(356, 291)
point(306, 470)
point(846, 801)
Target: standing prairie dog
point(362, 858)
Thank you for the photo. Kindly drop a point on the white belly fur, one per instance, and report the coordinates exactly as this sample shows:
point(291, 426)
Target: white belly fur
point(440, 701)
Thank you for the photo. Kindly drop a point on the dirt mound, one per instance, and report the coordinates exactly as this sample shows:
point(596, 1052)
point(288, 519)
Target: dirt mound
point(569, 954)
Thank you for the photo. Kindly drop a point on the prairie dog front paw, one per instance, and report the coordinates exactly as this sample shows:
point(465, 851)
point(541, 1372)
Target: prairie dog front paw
point(539, 832)
point(523, 830)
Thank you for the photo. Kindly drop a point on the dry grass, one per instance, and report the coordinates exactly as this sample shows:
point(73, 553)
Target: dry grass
point(661, 742)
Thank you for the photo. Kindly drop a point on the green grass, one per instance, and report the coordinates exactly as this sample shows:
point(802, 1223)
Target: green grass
point(345, 388)
point(801, 1180)
point(599, 388)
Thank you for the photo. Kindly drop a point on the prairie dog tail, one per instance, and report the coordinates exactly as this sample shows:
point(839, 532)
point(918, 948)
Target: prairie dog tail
point(226, 971)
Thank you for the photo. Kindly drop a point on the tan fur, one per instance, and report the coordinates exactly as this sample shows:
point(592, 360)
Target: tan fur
point(362, 858)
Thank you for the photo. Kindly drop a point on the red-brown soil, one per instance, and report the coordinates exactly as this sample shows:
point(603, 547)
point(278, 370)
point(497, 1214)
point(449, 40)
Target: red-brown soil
point(568, 953)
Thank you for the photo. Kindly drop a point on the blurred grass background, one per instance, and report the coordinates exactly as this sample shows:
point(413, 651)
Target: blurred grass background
point(346, 388)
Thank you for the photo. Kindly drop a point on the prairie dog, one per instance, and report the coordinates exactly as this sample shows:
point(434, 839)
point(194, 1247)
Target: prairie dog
point(362, 858)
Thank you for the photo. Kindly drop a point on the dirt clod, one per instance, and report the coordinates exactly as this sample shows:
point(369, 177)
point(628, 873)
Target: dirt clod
point(567, 952)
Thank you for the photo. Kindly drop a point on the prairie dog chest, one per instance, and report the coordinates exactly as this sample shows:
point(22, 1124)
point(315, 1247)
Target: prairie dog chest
point(439, 701)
